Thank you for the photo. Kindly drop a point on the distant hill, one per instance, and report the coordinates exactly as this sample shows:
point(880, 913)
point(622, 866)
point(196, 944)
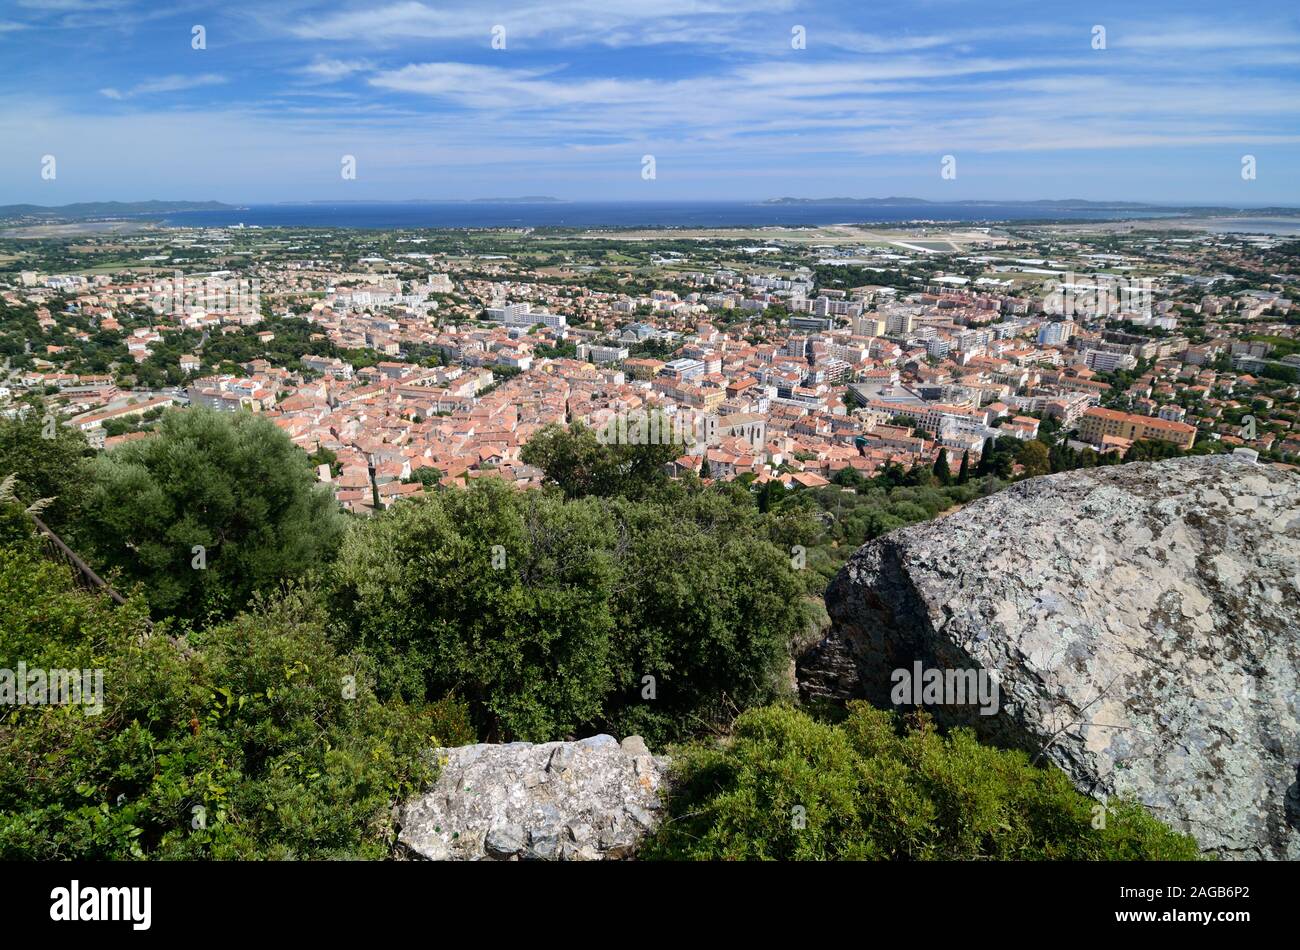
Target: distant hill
point(1053, 203)
point(100, 209)
point(525, 200)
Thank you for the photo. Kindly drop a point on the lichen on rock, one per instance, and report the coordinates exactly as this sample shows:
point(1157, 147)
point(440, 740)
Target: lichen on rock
point(1141, 622)
point(590, 800)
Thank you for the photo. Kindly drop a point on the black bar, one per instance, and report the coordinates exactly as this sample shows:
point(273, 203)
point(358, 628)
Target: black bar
point(635, 900)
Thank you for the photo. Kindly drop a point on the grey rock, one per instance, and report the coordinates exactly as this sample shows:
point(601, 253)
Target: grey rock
point(504, 841)
point(1141, 623)
point(634, 746)
point(544, 845)
point(590, 800)
point(580, 831)
point(640, 816)
point(561, 758)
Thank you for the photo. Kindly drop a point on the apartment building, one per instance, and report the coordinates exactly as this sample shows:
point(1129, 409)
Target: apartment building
point(523, 315)
point(328, 365)
point(1097, 423)
point(1104, 361)
point(599, 353)
point(1055, 333)
point(683, 369)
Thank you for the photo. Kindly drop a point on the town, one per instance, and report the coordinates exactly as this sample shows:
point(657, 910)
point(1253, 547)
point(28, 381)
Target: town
point(400, 361)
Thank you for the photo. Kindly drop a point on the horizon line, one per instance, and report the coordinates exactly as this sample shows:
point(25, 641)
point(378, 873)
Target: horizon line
point(547, 199)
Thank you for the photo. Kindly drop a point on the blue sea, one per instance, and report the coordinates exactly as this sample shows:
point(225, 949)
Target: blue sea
point(579, 214)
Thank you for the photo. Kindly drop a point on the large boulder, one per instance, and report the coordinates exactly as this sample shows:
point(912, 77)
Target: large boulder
point(1140, 623)
point(590, 800)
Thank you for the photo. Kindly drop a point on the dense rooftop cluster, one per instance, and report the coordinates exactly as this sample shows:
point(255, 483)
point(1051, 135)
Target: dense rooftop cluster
point(786, 361)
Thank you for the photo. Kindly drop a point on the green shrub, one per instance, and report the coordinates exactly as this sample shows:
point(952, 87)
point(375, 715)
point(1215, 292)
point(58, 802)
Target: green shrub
point(787, 787)
point(253, 739)
point(546, 614)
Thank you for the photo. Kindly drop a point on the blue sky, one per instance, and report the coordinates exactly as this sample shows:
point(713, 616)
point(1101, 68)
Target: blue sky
point(713, 89)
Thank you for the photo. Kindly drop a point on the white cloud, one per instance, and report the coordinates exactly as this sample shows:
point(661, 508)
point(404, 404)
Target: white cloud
point(332, 70)
point(1202, 36)
point(571, 23)
point(173, 83)
point(492, 87)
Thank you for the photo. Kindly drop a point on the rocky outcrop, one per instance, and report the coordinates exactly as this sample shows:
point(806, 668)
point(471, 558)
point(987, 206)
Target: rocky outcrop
point(1141, 623)
point(590, 800)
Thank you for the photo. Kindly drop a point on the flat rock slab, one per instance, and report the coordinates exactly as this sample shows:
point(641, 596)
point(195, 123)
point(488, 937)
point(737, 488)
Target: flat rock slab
point(590, 800)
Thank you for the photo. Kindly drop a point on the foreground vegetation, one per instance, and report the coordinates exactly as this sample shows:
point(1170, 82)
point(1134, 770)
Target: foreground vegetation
point(787, 787)
point(253, 738)
point(274, 696)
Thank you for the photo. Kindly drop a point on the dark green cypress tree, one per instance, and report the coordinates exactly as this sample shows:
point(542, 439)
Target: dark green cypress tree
point(941, 469)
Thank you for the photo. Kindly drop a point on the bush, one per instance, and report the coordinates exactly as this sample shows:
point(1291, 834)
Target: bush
point(787, 787)
point(546, 614)
point(250, 742)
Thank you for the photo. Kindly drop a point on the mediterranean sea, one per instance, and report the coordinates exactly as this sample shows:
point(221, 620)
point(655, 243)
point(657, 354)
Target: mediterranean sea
point(632, 214)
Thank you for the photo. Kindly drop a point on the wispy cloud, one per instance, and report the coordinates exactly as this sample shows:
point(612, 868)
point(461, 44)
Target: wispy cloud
point(491, 87)
point(72, 6)
point(576, 22)
point(173, 83)
point(1193, 36)
point(332, 70)
point(117, 15)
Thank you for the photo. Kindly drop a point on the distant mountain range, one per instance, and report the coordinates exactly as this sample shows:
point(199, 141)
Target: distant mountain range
point(910, 208)
point(1060, 204)
point(524, 200)
point(109, 209)
point(1046, 203)
point(100, 209)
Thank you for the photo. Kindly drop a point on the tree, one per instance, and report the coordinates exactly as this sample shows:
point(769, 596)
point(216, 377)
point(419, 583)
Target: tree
point(999, 456)
point(770, 494)
point(1033, 455)
point(849, 477)
point(209, 510)
point(501, 596)
point(49, 460)
point(917, 475)
point(581, 464)
point(942, 471)
point(426, 475)
point(1150, 450)
point(963, 476)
